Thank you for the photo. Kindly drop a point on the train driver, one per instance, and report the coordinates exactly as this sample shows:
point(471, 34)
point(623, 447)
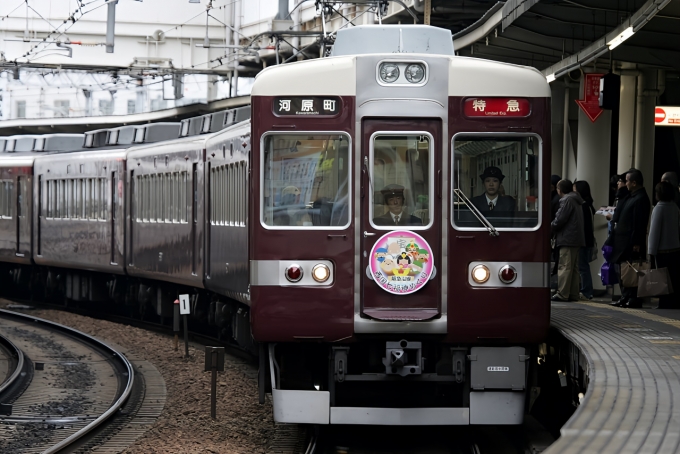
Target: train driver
point(393, 195)
point(492, 199)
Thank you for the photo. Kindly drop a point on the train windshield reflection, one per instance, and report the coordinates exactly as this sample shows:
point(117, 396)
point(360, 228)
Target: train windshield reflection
point(306, 180)
point(500, 176)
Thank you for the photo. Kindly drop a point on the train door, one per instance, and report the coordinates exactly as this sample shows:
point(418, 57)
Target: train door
point(401, 219)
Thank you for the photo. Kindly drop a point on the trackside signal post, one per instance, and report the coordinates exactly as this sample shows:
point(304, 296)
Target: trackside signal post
point(185, 310)
point(214, 361)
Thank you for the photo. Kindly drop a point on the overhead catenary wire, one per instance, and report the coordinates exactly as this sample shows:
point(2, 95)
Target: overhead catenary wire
point(49, 39)
point(10, 13)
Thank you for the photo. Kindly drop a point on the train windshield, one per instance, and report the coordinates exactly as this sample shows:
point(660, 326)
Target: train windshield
point(401, 181)
point(306, 180)
point(500, 177)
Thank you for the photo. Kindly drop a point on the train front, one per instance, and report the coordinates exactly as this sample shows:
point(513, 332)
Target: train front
point(399, 231)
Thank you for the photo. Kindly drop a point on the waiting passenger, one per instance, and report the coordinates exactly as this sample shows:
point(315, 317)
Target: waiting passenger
point(394, 200)
point(492, 200)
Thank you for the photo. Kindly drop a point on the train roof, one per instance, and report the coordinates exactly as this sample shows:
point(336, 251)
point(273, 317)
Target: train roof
point(338, 76)
point(44, 143)
point(95, 154)
point(390, 39)
point(321, 76)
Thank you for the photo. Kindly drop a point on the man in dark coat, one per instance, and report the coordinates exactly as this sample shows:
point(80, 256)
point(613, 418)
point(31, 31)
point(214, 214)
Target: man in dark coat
point(397, 215)
point(554, 196)
point(630, 231)
point(569, 238)
point(491, 200)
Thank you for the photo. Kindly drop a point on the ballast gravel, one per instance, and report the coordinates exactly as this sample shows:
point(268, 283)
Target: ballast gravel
point(185, 426)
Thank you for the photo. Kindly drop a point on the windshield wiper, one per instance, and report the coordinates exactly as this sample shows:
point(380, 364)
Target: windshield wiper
point(478, 214)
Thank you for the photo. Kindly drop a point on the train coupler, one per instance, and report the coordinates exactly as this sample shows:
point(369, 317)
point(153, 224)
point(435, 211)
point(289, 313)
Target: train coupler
point(403, 358)
point(340, 363)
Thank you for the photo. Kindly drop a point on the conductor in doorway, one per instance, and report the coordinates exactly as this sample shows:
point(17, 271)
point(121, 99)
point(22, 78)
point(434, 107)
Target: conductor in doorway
point(491, 200)
point(397, 215)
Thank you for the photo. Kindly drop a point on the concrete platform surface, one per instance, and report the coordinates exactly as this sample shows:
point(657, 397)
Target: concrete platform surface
point(633, 400)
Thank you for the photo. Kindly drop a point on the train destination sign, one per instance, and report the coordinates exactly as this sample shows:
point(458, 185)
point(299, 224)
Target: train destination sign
point(307, 105)
point(497, 107)
point(401, 262)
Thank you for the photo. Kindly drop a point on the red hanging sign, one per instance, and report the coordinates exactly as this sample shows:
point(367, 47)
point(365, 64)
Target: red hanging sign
point(591, 96)
point(497, 107)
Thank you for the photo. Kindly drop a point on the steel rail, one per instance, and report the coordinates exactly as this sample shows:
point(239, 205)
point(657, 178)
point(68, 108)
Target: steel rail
point(115, 357)
point(19, 358)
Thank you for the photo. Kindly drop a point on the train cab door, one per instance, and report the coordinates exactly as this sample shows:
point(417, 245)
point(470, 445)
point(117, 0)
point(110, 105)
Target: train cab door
point(401, 218)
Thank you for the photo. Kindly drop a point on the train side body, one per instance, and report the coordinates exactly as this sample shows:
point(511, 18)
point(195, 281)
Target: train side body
point(79, 211)
point(165, 233)
point(227, 192)
point(16, 192)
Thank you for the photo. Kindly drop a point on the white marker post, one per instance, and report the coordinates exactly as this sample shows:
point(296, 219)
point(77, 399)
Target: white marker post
point(185, 310)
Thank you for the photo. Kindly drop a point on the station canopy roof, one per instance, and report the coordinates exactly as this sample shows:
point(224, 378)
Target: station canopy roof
point(557, 36)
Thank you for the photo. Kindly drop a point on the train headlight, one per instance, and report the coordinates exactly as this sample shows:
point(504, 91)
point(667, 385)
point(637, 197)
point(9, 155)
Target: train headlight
point(321, 273)
point(389, 72)
point(507, 274)
point(415, 73)
point(294, 273)
point(480, 274)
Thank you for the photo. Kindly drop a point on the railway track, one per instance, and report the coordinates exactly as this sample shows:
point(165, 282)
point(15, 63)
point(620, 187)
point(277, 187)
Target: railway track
point(62, 388)
point(306, 439)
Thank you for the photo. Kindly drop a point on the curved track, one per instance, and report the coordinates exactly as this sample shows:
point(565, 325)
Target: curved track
point(11, 367)
point(77, 384)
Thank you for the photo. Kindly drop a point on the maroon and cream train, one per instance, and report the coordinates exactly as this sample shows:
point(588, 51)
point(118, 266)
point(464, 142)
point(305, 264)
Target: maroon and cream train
point(425, 322)
point(283, 230)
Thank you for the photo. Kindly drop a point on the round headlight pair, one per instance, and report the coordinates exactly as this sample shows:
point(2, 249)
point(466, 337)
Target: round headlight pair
point(414, 73)
point(507, 274)
point(320, 273)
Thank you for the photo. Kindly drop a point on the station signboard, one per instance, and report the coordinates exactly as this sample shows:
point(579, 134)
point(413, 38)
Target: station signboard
point(667, 116)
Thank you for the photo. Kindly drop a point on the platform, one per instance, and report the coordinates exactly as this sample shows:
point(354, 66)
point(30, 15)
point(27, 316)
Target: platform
point(633, 400)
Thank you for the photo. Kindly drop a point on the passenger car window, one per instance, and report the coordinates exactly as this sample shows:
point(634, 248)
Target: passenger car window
point(305, 180)
point(500, 177)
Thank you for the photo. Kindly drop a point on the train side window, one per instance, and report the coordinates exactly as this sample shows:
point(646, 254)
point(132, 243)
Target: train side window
point(500, 175)
point(104, 207)
point(6, 187)
point(185, 201)
point(401, 171)
point(305, 181)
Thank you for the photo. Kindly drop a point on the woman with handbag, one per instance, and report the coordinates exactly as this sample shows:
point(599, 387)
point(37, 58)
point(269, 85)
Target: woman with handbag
point(585, 254)
point(663, 244)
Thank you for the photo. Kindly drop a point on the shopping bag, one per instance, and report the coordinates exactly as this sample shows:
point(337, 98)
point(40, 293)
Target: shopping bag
point(607, 251)
point(655, 282)
point(608, 274)
point(631, 272)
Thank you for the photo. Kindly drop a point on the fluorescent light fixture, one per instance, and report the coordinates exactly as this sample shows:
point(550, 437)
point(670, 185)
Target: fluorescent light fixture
point(624, 35)
point(550, 77)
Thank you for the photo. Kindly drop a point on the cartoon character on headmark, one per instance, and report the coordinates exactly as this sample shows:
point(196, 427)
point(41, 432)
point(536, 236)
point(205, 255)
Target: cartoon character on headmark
point(412, 249)
point(380, 254)
point(403, 268)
